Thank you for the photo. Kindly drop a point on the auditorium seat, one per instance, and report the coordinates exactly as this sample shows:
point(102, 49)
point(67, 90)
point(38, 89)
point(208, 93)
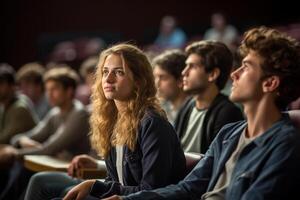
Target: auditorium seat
point(295, 117)
point(191, 160)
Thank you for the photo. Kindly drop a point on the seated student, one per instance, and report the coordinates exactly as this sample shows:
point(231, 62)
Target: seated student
point(168, 80)
point(16, 110)
point(16, 113)
point(30, 81)
point(258, 158)
point(62, 133)
point(129, 129)
point(207, 69)
point(222, 31)
point(65, 127)
point(170, 35)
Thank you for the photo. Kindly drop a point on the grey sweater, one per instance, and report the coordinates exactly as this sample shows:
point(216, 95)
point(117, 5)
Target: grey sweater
point(60, 134)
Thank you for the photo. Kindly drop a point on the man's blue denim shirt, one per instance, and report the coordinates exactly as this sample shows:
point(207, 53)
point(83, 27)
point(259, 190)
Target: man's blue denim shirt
point(268, 167)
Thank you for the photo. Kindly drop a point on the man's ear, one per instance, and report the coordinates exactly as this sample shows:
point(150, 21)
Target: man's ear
point(214, 74)
point(270, 84)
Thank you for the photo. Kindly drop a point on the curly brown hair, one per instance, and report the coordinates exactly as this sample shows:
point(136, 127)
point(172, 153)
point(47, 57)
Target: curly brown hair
point(281, 58)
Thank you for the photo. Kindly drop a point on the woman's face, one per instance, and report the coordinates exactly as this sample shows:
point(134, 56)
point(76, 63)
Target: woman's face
point(117, 79)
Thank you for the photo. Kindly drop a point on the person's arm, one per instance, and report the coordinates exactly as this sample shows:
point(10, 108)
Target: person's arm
point(279, 177)
point(73, 130)
point(39, 133)
point(192, 187)
point(20, 120)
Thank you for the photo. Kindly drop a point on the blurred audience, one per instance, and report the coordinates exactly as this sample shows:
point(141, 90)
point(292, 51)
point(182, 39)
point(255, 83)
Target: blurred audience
point(222, 31)
point(62, 133)
point(16, 110)
point(86, 70)
point(74, 52)
point(170, 35)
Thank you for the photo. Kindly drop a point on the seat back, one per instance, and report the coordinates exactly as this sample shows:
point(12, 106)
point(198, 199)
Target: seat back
point(295, 117)
point(191, 160)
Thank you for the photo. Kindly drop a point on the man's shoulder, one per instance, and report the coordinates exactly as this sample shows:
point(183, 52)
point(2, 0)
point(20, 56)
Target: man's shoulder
point(21, 101)
point(232, 129)
point(79, 109)
point(188, 104)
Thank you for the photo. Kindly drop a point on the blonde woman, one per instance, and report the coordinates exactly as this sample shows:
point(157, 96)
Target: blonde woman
point(129, 130)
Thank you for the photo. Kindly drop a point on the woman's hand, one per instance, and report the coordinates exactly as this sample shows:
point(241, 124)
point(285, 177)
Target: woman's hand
point(80, 191)
point(79, 162)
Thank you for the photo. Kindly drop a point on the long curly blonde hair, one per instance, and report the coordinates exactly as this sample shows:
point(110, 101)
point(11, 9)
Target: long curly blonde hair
point(108, 127)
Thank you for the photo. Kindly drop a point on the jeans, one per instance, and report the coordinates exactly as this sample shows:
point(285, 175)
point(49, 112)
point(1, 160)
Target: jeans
point(48, 185)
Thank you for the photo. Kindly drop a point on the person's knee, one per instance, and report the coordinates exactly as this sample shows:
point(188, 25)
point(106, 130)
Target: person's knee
point(39, 178)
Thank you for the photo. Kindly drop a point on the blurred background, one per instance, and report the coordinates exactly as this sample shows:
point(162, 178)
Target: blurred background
point(70, 31)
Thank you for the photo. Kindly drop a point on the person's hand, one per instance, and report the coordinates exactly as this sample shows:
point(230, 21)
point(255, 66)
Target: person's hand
point(80, 191)
point(115, 197)
point(7, 156)
point(26, 142)
point(79, 162)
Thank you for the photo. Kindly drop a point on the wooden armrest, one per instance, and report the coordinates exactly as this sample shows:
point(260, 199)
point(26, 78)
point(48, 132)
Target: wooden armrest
point(92, 173)
point(38, 163)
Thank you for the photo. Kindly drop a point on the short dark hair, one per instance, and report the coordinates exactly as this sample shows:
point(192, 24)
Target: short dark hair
point(172, 61)
point(281, 57)
point(7, 74)
point(64, 75)
point(214, 54)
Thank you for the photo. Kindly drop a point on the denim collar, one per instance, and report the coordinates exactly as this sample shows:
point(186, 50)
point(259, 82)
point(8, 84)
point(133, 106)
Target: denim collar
point(263, 138)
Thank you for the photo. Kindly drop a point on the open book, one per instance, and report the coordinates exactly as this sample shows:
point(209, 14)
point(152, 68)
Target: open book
point(38, 163)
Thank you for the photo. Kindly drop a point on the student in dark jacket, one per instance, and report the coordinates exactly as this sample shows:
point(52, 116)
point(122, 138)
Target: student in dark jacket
point(129, 129)
point(207, 70)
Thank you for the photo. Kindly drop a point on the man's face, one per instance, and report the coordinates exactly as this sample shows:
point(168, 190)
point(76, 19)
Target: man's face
point(56, 93)
point(247, 80)
point(30, 89)
point(167, 86)
point(195, 78)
